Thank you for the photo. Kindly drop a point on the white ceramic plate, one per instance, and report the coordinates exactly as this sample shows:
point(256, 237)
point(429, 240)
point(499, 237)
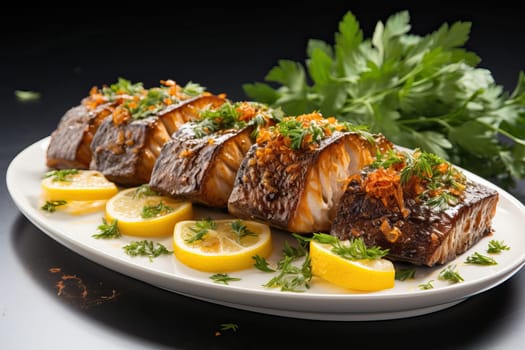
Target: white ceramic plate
point(322, 301)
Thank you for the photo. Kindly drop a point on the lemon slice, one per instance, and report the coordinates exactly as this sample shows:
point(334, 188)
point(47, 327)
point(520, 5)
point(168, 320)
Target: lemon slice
point(221, 248)
point(363, 275)
point(163, 213)
point(83, 185)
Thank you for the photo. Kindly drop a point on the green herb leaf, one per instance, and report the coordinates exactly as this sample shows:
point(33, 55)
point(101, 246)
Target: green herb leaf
point(27, 96)
point(480, 259)
point(223, 278)
point(151, 211)
point(122, 87)
point(193, 89)
point(229, 327)
point(61, 175)
point(51, 206)
point(146, 248)
point(450, 274)
point(144, 191)
point(353, 249)
point(405, 274)
point(201, 228)
point(496, 247)
point(292, 278)
point(262, 264)
point(426, 286)
point(107, 230)
point(241, 230)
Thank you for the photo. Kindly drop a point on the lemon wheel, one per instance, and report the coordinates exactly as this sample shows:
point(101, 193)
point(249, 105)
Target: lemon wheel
point(362, 275)
point(78, 185)
point(164, 212)
point(221, 247)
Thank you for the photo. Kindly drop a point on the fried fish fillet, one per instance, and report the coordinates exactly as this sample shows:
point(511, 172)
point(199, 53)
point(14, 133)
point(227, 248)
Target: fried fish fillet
point(125, 149)
point(297, 189)
point(417, 223)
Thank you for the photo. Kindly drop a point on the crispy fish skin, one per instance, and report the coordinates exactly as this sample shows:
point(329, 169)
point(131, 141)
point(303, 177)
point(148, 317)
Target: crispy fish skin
point(203, 169)
point(69, 146)
point(424, 236)
point(297, 190)
point(126, 152)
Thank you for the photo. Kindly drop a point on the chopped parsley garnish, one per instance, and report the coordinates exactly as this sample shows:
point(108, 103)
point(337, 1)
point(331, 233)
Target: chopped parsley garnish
point(426, 286)
point(27, 96)
point(144, 191)
point(450, 274)
point(193, 89)
point(212, 120)
point(107, 230)
point(353, 249)
point(151, 211)
point(480, 259)
point(437, 183)
point(290, 277)
point(149, 105)
point(262, 264)
point(241, 230)
point(51, 206)
point(496, 247)
point(405, 274)
point(146, 248)
point(223, 278)
point(122, 87)
point(61, 175)
point(229, 327)
point(200, 229)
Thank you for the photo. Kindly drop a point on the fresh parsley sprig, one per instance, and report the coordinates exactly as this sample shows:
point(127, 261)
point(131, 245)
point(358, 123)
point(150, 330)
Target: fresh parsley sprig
point(146, 248)
point(201, 228)
point(51, 206)
point(151, 211)
point(496, 247)
point(405, 274)
point(480, 259)
point(144, 190)
point(61, 175)
point(241, 230)
point(107, 230)
point(450, 273)
point(354, 249)
point(419, 91)
point(223, 278)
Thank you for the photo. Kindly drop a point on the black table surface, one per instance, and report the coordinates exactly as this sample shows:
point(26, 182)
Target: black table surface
point(63, 56)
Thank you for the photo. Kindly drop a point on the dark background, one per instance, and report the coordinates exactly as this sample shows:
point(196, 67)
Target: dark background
point(64, 54)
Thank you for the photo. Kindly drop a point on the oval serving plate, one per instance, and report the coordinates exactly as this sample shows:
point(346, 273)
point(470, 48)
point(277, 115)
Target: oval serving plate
point(321, 302)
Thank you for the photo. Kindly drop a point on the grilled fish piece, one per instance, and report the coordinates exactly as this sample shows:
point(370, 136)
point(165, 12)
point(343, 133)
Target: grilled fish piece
point(70, 142)
point(69, 146)
point(418, 223)
point(125, 149)
point(203, 169)
point(294, 184)
point(201, 160)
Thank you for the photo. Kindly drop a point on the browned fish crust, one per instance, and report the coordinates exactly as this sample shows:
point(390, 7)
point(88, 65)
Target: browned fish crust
point(203, 169)
point(285, 188)
point(423, 237)
point(126, 152)
point(69, 146)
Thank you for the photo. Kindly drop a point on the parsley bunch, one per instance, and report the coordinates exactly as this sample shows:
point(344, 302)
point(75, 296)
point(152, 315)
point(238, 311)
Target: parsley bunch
point(419, 91)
